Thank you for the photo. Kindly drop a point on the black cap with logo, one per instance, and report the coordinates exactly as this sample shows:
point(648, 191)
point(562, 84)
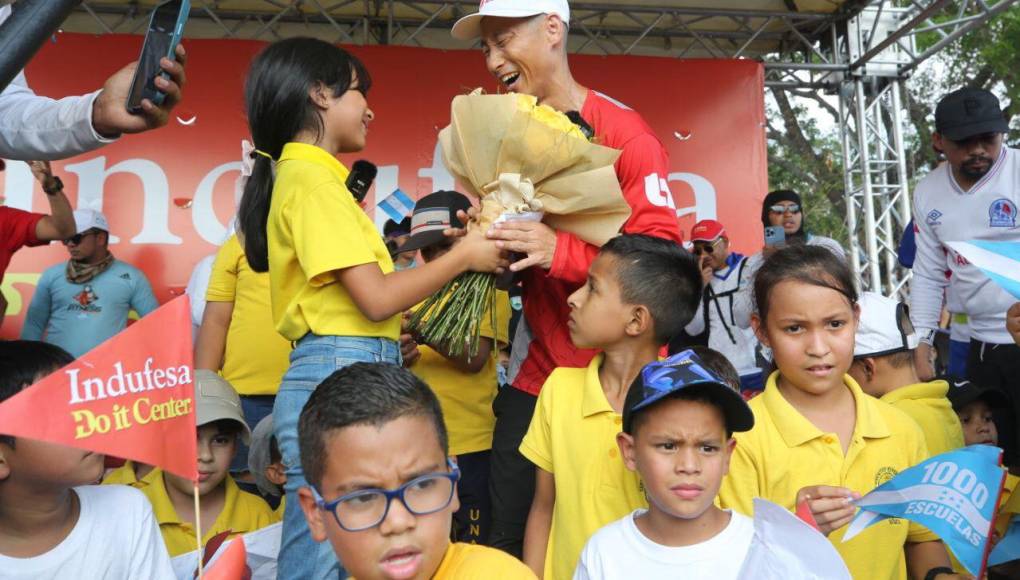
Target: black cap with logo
point(432, 215)
point(967, 112)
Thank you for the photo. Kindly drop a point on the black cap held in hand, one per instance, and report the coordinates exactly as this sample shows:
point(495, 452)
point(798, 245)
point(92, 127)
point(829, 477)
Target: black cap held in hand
point(967, 112)
point(432, 215)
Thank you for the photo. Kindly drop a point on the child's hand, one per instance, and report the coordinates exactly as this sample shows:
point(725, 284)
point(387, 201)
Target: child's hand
point(480, 254)
point(409, 350)
point(829, 505)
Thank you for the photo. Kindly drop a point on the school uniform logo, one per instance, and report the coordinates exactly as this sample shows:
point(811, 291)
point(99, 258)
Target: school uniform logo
point(884, 474)
point(1002, 214)
point(932, 218)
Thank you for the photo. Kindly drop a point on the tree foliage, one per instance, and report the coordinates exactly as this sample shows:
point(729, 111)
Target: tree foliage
point(804, 149)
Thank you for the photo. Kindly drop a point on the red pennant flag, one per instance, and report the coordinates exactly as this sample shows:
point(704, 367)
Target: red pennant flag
point(804, 513)
point(131, 396)
point(232, 564)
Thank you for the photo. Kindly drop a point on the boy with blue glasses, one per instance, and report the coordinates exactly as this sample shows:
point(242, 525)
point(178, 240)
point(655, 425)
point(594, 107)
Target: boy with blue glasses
point(374, 449)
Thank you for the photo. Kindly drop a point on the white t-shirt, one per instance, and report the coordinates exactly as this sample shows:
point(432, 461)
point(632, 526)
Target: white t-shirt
point(116, 538)
point(620, 550)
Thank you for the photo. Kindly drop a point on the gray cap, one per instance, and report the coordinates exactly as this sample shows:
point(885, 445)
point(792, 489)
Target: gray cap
point(215, 400)
point(260, 457)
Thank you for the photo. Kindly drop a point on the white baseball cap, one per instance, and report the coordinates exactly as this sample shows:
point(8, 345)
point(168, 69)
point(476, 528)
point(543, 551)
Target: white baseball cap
point(86, 219)
point(885, 327)
point(470, 26)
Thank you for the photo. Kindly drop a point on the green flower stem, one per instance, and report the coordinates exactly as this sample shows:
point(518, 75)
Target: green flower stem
point(451, 318)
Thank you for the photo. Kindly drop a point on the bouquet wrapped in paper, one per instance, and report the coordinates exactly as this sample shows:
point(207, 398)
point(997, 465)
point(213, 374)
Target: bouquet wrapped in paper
point(526, 161)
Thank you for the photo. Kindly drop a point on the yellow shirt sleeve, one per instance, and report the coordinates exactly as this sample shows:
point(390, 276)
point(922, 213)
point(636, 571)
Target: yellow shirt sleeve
point(325, 237)
point(223, 279)
point(537, 443)
point(740, 486)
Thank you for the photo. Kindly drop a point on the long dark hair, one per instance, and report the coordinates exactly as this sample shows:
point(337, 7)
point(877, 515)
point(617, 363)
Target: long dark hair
point(279, 107)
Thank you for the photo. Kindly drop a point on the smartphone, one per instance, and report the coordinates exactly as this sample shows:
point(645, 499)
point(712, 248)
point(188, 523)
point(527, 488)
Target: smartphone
point(165, 29)
point(775, 236)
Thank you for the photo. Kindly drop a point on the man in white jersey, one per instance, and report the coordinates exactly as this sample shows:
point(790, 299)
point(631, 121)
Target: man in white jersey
point(973, 196)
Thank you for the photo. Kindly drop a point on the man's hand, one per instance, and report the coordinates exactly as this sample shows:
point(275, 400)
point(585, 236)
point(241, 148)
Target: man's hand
point(829, 505)
point(42, 173)
point(706, 270)
point(924, 356)
point(535, 239)
point(110, 116)
point(1013, 322)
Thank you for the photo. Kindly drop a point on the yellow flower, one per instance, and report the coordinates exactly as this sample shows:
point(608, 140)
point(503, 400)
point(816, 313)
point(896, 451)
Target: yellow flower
point(548, 116)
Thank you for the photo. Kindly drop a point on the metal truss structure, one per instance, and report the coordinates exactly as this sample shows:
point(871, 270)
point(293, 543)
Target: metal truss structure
point(860, 52)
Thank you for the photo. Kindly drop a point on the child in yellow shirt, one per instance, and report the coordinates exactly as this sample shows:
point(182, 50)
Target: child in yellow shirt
point(817, 436)
point(333, 288)
point(641, 291)
point(884, 368)
point(383, 488)
point(223, 505)
point(465, 385)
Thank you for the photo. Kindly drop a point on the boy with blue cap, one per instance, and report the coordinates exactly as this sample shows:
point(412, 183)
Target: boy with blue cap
point(678, 422)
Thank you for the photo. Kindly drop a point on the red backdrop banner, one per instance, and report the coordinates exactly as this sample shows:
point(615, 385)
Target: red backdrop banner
point(169, 194)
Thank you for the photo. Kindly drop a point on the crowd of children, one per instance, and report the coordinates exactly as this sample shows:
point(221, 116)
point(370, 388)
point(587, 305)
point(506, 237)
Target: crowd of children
point(376, 455)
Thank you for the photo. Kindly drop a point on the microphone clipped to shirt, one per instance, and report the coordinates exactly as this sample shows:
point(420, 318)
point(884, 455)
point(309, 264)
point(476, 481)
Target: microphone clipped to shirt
point(360, 179)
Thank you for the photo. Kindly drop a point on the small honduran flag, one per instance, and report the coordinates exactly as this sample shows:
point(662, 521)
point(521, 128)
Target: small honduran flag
point(397, 205)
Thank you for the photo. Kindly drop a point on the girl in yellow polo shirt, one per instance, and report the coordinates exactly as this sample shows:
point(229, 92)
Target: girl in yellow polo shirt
point(817, 436)
point(333, 288)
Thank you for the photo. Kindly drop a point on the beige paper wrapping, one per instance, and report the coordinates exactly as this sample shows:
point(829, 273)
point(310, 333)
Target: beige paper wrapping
point(514, 162)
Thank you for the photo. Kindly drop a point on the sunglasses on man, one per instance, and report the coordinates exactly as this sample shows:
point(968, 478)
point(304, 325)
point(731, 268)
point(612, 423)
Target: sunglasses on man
point(792, 208)
point(705, 247)
point(77, 238)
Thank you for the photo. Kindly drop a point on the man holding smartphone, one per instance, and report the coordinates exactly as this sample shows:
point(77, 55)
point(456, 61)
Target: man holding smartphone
point(37, 127)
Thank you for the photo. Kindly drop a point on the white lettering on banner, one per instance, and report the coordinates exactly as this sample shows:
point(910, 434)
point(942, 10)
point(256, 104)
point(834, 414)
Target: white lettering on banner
point(92, 175)
point(438, 173)
point(704, 207)
point(121, 383)
point(18, 183)
point(951, 516)
point(963, 481)
point(156, 203)
point(657, 191)
point(203, 214)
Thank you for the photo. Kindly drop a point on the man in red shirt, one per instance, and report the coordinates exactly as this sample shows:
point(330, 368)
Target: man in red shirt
point(524, 43)
point(21, 228)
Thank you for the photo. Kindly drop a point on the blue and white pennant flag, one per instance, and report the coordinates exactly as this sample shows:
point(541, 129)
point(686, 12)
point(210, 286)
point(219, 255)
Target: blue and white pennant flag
point(397, 205)
point(955, 495)
point(1000, 261)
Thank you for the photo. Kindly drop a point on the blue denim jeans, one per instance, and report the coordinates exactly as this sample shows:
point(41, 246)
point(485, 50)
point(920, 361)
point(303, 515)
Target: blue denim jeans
point(313, 359)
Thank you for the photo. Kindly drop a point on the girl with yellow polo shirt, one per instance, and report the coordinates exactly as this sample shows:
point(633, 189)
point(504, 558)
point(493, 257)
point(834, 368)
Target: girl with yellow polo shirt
point(817, 436)
point(334, 291)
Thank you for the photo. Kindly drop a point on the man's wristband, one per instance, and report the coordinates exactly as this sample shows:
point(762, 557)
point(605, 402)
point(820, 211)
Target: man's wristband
point(54, 189)
point(936, 571)
point(927, 336)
